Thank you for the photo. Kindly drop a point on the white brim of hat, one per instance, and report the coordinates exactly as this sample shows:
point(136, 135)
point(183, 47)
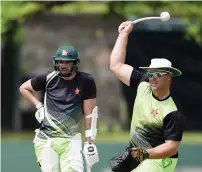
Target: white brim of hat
point(175, 72)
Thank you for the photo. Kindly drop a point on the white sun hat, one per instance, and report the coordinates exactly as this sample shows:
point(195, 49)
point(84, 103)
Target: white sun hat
point(162, 64)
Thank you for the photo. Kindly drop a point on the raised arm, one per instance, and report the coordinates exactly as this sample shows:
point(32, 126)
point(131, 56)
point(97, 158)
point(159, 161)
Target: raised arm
point(118, 55)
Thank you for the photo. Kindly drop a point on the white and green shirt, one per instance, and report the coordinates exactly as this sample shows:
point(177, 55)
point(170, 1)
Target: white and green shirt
point(154, 120)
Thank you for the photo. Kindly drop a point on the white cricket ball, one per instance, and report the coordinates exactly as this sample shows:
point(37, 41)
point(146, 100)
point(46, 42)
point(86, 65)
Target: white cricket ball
point(165, 16)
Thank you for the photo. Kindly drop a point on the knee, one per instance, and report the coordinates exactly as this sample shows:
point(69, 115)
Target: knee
point(71, 166)
point(50, 168)
point(77, 168)
point(77, 164)
point(71, 169)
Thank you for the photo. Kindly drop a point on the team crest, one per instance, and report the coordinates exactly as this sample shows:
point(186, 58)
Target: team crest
point(64, 53)
point(76, 91)
point(154, 112)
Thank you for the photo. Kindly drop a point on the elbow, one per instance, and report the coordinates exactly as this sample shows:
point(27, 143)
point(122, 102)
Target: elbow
point(25, 88)
point(114, 67)
point(172, 147)
point(113, 64)
point(21, 89)
point(173, 152)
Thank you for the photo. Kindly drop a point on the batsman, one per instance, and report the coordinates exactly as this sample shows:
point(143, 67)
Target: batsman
point(157, 122)
point(70, 99)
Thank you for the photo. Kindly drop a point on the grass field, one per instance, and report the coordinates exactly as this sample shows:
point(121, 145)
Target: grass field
point(188, 137)
point(15, 144)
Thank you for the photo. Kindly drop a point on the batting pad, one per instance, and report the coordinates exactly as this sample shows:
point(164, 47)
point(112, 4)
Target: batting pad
point(50, 159)
point(76, 149)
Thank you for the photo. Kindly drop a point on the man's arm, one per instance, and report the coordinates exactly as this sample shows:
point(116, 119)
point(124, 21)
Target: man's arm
point(28, 88)
point(88, 106)
point(126, 73)
point(118, 55)
point(167, 149)
point(173, 125)
point(89, 101)
point(27, 91)
point(90, 150)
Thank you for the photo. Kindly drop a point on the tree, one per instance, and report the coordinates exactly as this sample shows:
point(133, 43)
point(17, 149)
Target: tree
point(189, 11)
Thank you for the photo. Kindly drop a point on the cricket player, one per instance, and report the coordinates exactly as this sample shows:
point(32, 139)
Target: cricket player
point(70, 96)
point(157, 123)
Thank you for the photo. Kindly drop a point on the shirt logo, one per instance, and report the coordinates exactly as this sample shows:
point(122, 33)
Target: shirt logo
point(76, 91)
point(154, 112)
point(64, 53)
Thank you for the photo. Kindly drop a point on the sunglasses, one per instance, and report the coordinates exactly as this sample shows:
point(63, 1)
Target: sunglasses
point(155, 74)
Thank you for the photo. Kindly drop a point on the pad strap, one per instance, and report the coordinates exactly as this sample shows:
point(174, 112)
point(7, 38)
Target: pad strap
point(89, 133)
point(92, 132)
point(89, 116)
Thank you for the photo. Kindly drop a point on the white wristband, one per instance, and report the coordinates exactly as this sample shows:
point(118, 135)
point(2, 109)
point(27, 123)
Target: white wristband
point(39, 105)
point(88, 133)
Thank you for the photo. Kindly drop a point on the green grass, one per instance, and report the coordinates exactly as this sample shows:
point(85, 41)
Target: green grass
point(188, 137)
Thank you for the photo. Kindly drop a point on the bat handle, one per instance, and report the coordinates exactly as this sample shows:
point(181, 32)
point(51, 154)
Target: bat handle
point(142, 19)
point(133, 22)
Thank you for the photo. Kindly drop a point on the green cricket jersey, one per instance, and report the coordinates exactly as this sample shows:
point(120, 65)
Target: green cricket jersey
point(153, 121)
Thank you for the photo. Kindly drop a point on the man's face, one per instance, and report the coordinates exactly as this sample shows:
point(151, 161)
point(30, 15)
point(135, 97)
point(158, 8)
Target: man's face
point(159, 79)
point(65, 67)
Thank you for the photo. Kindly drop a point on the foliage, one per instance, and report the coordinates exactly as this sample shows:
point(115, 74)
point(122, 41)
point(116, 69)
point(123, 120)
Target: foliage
point(16, 10)
point(81, 7)
point(189, 11)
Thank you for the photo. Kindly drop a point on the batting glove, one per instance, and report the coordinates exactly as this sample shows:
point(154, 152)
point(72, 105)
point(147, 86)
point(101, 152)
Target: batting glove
point(40, 113)
point(90, 153)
